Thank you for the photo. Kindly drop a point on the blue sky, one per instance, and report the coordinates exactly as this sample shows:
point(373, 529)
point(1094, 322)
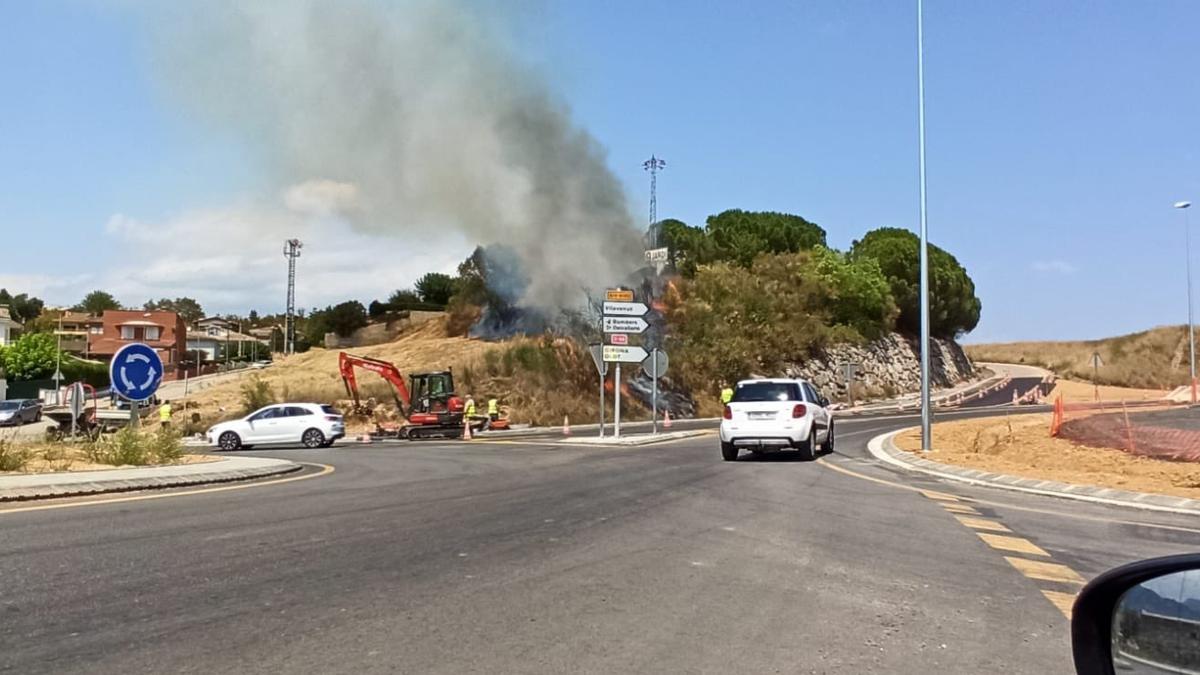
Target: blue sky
point(1059, 134)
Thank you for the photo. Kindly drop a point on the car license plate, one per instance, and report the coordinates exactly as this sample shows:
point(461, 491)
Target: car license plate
point(762, 415)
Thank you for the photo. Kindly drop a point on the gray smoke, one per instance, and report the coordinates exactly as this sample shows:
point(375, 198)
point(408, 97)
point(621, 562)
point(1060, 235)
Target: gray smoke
point(406, 118)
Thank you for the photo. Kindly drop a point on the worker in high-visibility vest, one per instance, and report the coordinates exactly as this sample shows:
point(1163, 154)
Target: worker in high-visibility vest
point(726, 395)
point(493, 408)
point(164, 415)
point(469, 407)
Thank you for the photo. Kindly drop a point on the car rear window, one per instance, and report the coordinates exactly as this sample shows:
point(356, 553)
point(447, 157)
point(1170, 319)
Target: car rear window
point(767, 391)
point(294, 411)
point(330, 410)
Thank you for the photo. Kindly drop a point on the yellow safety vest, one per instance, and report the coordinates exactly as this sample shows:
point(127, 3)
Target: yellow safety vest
point(493, 407)
point(726, 395)
point(470, 409)
point(164, 412)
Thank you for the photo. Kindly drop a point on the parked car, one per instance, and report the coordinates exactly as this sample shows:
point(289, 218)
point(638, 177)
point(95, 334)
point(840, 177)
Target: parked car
point(20, 411)
point(776, 414)
point(312, 424)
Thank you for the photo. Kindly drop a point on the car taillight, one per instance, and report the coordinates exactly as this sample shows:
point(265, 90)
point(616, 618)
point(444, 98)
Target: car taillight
point(728, 414)
point(333, 418)
point(799, 410)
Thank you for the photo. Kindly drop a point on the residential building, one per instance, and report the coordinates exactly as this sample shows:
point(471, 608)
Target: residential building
point(102, 336)
point(8, 326)
point(217, 340)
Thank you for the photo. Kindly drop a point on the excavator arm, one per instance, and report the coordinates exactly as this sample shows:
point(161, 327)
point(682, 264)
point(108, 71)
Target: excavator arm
point(348, 362)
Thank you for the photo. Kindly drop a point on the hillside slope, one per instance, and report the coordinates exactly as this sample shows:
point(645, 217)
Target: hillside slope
point(1152, 359)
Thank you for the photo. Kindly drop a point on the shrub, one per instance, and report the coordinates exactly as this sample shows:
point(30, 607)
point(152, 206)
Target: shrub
point(256, 393)
point(127, 447)
point(165, 446)
point(12, 457)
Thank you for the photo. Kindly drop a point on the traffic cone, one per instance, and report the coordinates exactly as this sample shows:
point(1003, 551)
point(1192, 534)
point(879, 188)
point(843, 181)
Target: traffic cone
point(666, 419)
point(566, 426)
point(466, 429)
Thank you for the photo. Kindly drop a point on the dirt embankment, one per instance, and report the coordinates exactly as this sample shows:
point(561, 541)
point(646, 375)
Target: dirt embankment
point(1021, 445)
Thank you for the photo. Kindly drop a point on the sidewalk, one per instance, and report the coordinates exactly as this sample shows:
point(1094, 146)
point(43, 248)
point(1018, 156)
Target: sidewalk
point(66, 483)
point(885, 450)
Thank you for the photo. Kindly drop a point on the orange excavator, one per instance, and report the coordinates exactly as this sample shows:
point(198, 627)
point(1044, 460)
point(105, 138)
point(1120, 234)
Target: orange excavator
point(427, 401)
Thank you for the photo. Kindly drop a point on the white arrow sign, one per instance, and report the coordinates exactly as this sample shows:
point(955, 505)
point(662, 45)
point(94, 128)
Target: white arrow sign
point(624, 354)
point(625, 308)
point(625, 324)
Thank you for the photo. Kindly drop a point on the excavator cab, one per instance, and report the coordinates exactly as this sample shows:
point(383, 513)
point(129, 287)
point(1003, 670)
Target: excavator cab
point(431, 392)
point(427, 400)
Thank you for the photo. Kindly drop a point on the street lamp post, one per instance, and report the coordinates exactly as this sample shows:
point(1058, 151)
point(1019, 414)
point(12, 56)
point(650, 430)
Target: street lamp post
point(1187, 251)
point(926, 410)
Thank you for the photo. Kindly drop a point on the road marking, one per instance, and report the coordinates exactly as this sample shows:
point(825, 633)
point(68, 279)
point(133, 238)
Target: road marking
point(325, 470)
point(960, 508)
point(1045, 571)
point(1014, 544)
point(1027, 509)
point(1063, 601)
point(981, 524)
point(940, 496)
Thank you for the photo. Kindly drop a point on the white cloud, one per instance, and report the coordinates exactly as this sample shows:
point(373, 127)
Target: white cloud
point(1053, 267)
point(231, 259)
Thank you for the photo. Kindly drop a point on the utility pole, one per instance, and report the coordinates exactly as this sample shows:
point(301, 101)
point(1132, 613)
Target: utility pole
point(654, 165)
point(926, 409)
point(291, 250)
point(1187, 252)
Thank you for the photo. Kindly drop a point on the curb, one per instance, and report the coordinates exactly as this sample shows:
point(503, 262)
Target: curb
point(638, 440)
point(79, 489)
point(884, 449)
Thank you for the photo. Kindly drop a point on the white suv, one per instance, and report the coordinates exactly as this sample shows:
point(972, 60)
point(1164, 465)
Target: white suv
point(313, 424)
point(776, 414)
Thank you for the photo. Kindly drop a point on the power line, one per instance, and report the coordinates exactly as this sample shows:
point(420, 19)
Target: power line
point(291, 250)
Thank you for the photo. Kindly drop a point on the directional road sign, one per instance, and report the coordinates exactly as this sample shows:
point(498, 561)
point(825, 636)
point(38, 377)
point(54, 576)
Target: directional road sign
point(625, 308)
point(621, 354)
point(618, 339)
point(135, 371)
point(618, 295)
point(658, 255)
point(625, 324)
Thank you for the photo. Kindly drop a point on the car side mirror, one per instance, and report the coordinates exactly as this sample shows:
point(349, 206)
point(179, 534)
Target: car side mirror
point(1143, 617)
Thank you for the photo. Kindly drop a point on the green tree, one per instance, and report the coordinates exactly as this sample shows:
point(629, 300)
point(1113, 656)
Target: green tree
point(97, 302)
point(953, 306)
point(187, 308)
point(403, 297)
point(737, 236)
point(24, 307)
point(435, 288)
point(33, 356)
point(859, 295)
point(347, 317)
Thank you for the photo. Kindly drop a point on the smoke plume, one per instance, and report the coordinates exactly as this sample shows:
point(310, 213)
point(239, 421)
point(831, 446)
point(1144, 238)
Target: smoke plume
point(409, 119)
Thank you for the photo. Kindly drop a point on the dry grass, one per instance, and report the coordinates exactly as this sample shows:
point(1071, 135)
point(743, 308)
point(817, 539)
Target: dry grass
point(1153, 359)
point(54, 457)
point(1082, 392)
point(1022, 446)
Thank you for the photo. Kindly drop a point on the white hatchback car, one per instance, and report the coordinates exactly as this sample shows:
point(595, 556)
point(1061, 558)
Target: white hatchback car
point(776, 414)
point(313, 424)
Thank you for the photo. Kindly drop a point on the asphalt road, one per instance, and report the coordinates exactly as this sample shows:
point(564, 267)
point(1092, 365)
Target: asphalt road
point(526, 556)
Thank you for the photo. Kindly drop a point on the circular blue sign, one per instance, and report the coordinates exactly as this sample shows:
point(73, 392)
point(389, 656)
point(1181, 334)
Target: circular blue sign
point(135, 371)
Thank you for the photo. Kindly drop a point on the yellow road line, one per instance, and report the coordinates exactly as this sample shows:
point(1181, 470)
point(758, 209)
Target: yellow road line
point(982, 524)
point(941, 496)
point(1045, 571)
point(1027, 509)
point(1014, 544)
point(959, 508)
point(325, 470)
point(1063, 601)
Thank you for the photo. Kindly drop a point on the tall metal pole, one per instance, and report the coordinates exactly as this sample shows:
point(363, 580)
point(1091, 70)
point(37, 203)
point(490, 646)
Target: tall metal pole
point(653, 165)
point(926, 409)
point(291, 249)
point(1187, 250)
point(617, 402)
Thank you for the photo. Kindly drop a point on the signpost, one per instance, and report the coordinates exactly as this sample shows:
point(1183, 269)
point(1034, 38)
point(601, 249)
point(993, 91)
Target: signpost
point(1096, 363)
point(77, 401)
point(617, 295)
point(658, 255)
point(625, 309)
point(625, 324)
point(624, 354)
point(848, 370)
point(655, 366)
point(597, 352)
point(135, 373)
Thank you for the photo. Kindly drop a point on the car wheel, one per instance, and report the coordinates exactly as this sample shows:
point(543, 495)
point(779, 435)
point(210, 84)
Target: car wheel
point(729, 451)
point(313, 438)
point(229, 441)
point(827, 446)
point(807, 448)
